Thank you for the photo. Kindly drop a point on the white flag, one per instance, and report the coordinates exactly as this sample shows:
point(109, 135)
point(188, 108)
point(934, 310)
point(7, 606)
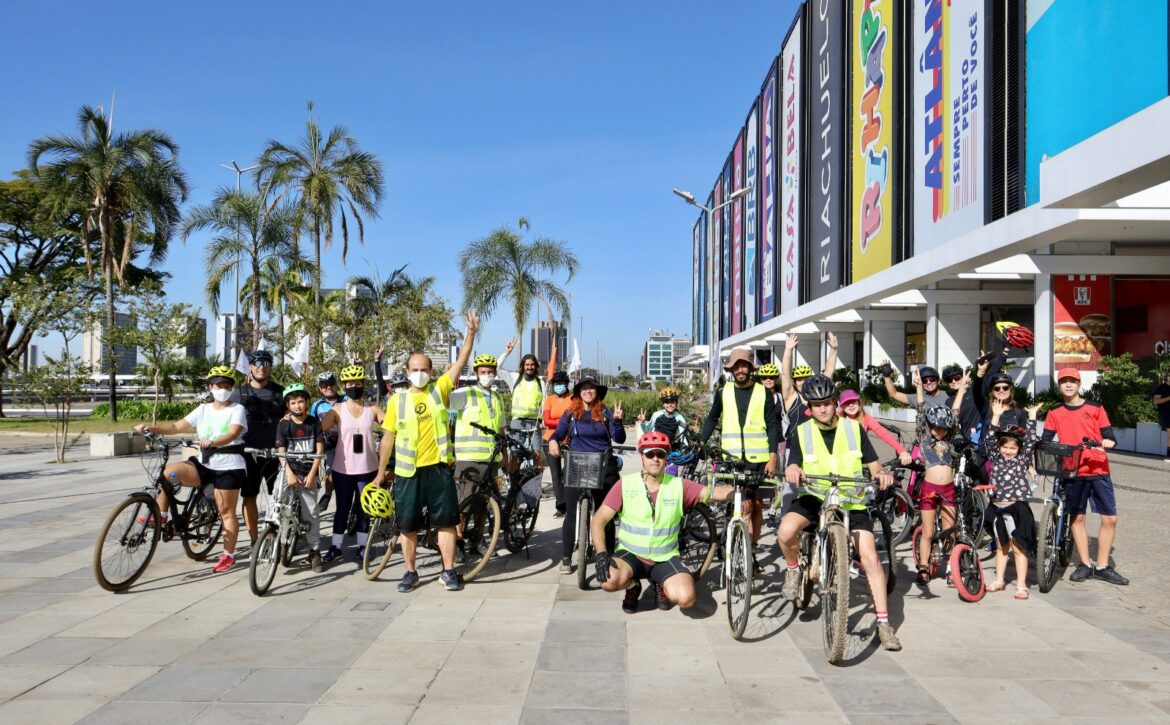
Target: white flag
point(301, 356)
point(575, 363)
point(263, 344)
point(242, 364)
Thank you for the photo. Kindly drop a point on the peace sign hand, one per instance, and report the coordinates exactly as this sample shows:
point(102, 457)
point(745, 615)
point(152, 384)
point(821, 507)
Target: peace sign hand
point(617, 410)
point(641, 416)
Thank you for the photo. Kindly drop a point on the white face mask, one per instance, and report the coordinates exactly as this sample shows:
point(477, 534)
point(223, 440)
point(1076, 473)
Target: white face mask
point(419, 378)
point(220, 395)
point(487, 380)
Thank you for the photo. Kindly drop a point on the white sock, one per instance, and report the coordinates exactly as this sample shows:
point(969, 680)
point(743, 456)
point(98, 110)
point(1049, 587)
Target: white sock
point(361, 538)
point(338, 539)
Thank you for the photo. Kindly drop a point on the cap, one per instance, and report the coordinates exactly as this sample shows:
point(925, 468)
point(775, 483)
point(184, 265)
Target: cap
point(847, 396)
point(1068, 373)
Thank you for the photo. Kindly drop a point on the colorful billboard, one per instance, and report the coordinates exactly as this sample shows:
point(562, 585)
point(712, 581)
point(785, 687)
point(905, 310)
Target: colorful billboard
point(789, 214)
point(1143, 316)
point(872, 215)
point(712, 273)
point(950, 40)
point(704, 280)
point(827, 153)
point(737, 237)
point(1082, 327)
point(751, 181)
point(1109, 58)
point(725, 240)
point(767, 199)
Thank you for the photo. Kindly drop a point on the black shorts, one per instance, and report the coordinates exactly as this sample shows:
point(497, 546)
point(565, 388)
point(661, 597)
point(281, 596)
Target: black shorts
point(1079, 492)
point(226, 480)
point(656, 572)
point(262, 469)
point(810, 508)
point(431, 488)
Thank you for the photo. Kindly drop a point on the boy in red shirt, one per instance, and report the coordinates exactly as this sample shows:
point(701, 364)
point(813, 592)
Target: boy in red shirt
point(1072, 422)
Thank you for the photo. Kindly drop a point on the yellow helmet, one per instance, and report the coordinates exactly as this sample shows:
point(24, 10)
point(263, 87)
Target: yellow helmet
point(802, 371)
point(768, 370)
point(668, 393)
point(352, 372)
point(486, 361)
point(377, 502)
point(221, 371)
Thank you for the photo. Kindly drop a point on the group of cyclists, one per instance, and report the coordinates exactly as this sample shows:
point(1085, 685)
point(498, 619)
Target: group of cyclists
point(785, 423)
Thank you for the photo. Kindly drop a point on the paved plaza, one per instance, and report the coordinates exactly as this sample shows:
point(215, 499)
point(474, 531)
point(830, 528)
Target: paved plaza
point(524, 644)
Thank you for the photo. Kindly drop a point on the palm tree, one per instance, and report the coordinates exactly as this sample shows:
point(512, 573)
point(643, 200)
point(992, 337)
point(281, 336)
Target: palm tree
point(127, 188)
point(504, 267)
point(328, 175)
point(248, 233)
point(279, 284)
point(374, 293)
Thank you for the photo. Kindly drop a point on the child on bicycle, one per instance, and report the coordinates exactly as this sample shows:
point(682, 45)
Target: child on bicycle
point(1008, 448)
point(935, 446)
point(1072, 422)
point(301, 433)
point(668, 420)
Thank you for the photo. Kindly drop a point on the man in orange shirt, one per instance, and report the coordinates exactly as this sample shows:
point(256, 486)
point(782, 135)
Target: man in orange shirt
point(556, 402)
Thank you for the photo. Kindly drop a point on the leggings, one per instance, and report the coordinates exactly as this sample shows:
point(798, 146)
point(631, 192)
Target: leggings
point(556, 466)
point(569, 523)
point(347, 488)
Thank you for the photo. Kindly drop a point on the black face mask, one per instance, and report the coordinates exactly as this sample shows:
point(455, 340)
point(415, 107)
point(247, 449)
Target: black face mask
point(529, 376)
point(355, 393)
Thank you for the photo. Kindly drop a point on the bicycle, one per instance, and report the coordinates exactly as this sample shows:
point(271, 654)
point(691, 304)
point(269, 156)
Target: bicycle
point(1054, 543)
point(826, 552)
point(586, 471)
point(956, 543)
point(698, 537)
point(284, 524)
point(897, 505)
point(132, 530)
point(521, 505)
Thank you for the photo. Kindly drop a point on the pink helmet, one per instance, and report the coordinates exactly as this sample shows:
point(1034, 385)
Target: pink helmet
point(847, 396)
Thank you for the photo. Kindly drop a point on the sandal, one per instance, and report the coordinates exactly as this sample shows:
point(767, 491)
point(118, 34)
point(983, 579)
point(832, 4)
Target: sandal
point(1021, 594)
point(996, 587)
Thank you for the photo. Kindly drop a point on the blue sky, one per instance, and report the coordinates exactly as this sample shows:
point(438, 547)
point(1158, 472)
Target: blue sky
point(579, 116)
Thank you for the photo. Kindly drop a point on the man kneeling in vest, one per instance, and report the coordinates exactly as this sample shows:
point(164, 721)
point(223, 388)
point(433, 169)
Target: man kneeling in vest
point(823, 446)
point(652, 504)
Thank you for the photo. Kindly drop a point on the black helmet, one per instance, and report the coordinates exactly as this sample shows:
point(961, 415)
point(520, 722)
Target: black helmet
point(560, 376)
point(259, 356)
point(818, 388)
point(927, 371)
point(1002, 378)
point(1011, 431)
point(398, 379)
point(952, 371)
point(940, 416)
point(326, 378)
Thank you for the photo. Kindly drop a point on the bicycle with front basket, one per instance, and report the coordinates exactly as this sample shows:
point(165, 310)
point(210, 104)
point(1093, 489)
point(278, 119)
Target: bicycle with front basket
point(128, 538)
point(1057, 462)
point(284, 522)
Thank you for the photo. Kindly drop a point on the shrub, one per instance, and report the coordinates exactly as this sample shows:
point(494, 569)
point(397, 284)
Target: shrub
point(140, 410)
point(1124, 391)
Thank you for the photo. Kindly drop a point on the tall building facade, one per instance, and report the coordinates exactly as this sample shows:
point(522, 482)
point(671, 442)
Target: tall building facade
point(198, 346)
point(227, 332)
point(658, 356)
point(93, 350)
point(543, 336)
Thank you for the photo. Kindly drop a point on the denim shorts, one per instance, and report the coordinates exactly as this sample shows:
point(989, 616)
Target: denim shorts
point(1078, 492)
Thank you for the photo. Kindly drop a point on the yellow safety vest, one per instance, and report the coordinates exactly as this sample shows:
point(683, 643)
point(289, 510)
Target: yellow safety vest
point(406, 431)
point(526, 398)
point(650, 532)
point(844, 460)
point(750, 444)
point(472, 444)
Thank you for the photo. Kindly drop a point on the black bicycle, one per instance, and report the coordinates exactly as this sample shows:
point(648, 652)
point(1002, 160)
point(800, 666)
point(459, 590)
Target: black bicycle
point(519, 507)
point(130, 534)
point(1058, 462)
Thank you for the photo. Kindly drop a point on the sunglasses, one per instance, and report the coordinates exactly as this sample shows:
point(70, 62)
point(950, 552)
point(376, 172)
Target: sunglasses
point(261, 364)
point(1001, 388)
point(954, 379)
point(929, 380)
point(655, 454)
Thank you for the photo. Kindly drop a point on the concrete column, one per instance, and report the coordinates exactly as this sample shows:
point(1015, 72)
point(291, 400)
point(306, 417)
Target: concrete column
point(952, 334)
point(885, 340)
point(808, 351)
point(1042, 328)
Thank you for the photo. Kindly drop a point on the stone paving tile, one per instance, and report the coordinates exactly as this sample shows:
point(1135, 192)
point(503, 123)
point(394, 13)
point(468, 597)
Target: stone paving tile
point(16, 679)
point(1089, 700)
point(423, 628)
point(59, 651)
point(486, 656)
point(1006, 699)
point(648, 659)
point(505, 688)
point(358, 714)
point(781, 694)
point(283, 685)
point(581, 657)
point(114, 623)
point(558, 716)
point(86, 681)
point(1125, 665)
point(42, 623)
point(444, 714)
point(518, 609)
point(144, 713)
point(247, 714)
point(187, 684)
point(591, 610)
point(685, 692)
point(1156, 694)
point(62, 711)
point(587, 631)
point(393, 655)
point(139, 650)
point(880, 696)
point(577, 690)
point(396, 687)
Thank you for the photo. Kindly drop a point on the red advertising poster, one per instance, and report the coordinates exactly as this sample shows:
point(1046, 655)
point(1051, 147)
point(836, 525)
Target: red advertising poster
point(1082, 325)
point(737, 240)
point(1143, 316)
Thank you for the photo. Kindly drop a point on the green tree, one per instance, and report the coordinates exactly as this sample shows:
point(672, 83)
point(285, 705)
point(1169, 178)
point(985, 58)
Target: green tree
point(404, 321)
point(125, 187)
point(56, 387)
point(157, 329)
point(503, 267)
point(328, 174)
point(279, 282)
point(248, 233)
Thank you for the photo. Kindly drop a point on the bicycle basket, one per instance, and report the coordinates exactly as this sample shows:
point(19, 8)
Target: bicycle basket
point(1057, 459)
point(584, 470)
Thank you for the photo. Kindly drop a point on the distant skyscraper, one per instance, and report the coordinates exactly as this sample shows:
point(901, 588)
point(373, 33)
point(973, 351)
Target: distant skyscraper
point(227, 330)
point(541, 340)
point(661, 354)
point(198, 347)
point(93, 351)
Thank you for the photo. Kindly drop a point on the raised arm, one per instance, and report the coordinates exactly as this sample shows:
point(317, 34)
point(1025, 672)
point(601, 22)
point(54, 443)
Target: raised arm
point(787, 390)
point(508, 348)
point(552, 364)
point(456, 369)
point(963, 385)
point(831, 358)
point(894, 393)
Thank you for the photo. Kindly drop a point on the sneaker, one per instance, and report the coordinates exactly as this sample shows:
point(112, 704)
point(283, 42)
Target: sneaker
point(660, 595)
point(888, 638)
point(359, 554)
point(323, 503)
point(630, 602)
point(559, 514)
point(450, 579)
point(923, 578)
point(566, 566)
point(149, 520)
point(226, 561)
point(315, 561)
point(791, 588)
point(332, 555)
point(1081, 573)
point(409, 581)
point(950, 582)
point(1109, 575)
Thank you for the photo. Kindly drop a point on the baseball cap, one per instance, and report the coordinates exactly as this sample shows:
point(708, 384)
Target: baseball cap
point(1068, 373)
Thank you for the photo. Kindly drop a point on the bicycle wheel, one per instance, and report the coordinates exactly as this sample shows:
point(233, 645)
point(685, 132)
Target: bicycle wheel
point(835, 592)
point(521, 520)
point(379, 547)
point(884, 541)
point(1066, 539)
point(967, 572)
point(698, 539)
point(203, 527)
point(739, 577)
point(126, 542)
point(480, 515)
point(807, 575)
point(899, 510)
point(1046, 547)
point(932, 562)
point(974, 510)
point(265, 557)
point(584, 513)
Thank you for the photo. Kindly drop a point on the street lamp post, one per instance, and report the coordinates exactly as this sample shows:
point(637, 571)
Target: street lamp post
point(236, 319)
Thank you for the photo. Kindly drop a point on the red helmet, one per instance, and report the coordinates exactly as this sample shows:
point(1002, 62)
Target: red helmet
point(1019, 336)
point(653, 439)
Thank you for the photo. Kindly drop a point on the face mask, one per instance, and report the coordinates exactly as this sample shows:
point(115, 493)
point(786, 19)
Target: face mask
point(220, 395)
point(419, 378)
point(487, 380)
point(560, 389)
point(529, 376)
point(355, 393)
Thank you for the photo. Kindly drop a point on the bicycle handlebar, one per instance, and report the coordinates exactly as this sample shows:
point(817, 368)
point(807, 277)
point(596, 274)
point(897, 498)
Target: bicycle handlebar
point(747, 478)
point(501, 437)
point(274, 453)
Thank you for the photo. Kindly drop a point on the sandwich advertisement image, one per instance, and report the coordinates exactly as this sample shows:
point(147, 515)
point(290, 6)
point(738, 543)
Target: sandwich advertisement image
point(1082, 328)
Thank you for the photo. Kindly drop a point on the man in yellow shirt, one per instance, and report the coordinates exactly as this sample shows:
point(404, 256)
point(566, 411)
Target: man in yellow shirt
point(416, 430)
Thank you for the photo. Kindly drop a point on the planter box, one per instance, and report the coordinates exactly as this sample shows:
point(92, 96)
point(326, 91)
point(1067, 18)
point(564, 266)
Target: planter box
point(1126, 439)
point(897, 413)
point(106, 445)
point(1151, 439)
